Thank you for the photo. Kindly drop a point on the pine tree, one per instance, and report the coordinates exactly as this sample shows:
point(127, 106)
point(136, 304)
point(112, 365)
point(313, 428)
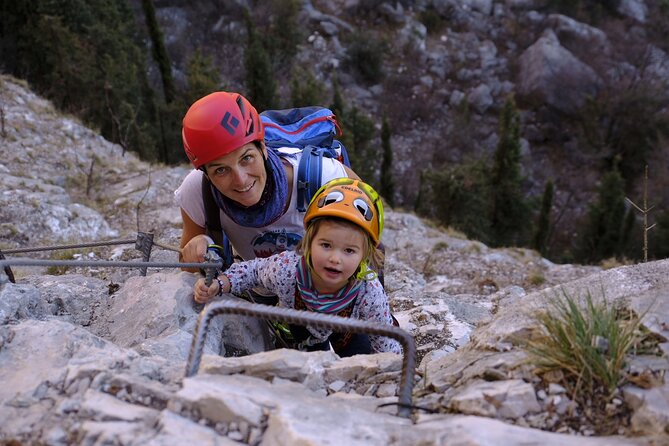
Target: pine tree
point(259, 74)
point(508, 208)
point(540, 240)
point(387, 182)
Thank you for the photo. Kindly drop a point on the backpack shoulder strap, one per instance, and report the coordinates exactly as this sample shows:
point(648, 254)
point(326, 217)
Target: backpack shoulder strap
point(212, 223)
point(212, 217)
point(308, 176)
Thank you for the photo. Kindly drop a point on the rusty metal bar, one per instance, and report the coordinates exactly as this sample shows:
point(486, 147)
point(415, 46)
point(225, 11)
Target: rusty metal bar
point(320, 320)
point(7, 269)
point(144, 244)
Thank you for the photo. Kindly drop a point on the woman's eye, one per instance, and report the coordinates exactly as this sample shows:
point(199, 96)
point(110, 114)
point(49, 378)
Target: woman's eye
point(221, 170)
point(247, 159)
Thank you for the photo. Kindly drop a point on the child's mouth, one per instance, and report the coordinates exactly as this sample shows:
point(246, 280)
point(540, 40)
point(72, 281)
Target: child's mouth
point(332, 272)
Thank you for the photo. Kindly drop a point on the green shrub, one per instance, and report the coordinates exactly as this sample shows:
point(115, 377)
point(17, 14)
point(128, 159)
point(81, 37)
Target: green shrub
point(59, 270)
point(536, 279)
point(587, 342)
point(305, 89)
point(365, 57)
point(432, 20)
point(456, 197)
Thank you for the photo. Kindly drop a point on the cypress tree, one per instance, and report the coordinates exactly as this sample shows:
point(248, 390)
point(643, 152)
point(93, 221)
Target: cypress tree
point(259, 74)
point(540, 240)
point(338, 107)
point(202, 75)
point(387, 182)
point(159, 50)
point(305, 90)
point(360, 132)
point(457, 197)
point(659, 245)
point(284, 33)
point(629, 223)
point(508, 207)
point(603, 236)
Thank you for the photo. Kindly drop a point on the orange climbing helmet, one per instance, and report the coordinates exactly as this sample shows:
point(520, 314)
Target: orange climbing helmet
point(218, 124)
point(350, 200)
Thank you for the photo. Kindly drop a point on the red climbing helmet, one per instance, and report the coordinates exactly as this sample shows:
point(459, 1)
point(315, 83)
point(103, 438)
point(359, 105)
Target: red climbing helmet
point(218, 124)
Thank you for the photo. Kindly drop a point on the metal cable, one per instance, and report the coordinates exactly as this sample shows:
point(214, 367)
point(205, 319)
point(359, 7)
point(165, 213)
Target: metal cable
point(80, 245)
point(319, 320)
point(86, 245)
point(144, 243)
point(166, 247)
point(106, 263)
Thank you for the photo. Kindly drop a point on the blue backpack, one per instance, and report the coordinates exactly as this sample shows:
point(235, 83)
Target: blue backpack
point(311, 129)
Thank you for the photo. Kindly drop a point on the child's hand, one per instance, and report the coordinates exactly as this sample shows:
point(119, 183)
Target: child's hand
point(203, 293)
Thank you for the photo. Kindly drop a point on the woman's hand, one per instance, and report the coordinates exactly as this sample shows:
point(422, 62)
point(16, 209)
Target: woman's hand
point(195, 249)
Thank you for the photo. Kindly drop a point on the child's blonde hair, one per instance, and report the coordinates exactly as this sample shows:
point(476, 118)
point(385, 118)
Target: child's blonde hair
point(372, 257)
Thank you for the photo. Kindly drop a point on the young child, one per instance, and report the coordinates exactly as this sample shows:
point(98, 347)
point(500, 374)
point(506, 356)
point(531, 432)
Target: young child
point(330, 272)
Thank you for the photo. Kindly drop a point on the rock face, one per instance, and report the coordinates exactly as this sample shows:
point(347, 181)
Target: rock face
point(98, 356)
point(157, 315)
point(549, 73)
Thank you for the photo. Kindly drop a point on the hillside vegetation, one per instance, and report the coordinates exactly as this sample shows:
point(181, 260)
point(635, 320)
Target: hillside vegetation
point(521, 123)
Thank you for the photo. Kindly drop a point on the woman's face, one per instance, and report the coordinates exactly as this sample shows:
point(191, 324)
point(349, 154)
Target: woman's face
point(240, 175)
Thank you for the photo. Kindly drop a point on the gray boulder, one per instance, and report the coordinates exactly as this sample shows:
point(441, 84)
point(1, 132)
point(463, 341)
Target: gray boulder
point(550, 74)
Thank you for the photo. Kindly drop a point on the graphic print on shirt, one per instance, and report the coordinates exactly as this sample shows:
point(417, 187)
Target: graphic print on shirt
point(273, 242)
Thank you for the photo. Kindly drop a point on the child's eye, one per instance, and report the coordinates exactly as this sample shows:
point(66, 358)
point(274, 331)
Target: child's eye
point(350, 251)
point(325, 245)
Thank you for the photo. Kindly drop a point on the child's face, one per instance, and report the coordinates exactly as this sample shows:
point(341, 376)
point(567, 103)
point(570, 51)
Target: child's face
point(336, 252)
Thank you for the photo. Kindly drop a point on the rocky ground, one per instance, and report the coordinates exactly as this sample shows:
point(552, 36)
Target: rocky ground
point(97, 355)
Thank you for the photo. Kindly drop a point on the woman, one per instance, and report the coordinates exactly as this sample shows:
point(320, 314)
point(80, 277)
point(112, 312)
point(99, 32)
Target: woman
point(254, 188)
